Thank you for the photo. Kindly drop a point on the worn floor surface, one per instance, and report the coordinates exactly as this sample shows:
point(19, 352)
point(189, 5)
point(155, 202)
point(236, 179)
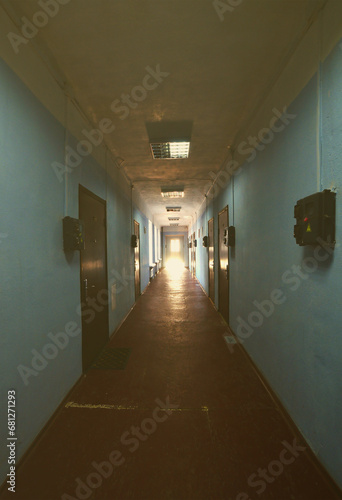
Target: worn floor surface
point(186, 419)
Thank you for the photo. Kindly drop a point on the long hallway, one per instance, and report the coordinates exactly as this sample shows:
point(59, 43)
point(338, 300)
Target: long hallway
point(186, 418)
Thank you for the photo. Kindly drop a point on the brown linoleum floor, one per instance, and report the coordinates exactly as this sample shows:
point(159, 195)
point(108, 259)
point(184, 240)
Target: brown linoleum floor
point(185, 420)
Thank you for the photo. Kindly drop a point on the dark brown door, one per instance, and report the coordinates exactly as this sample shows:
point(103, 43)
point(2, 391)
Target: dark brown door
point(211, 259)
point(223, 265)
point(137, 261)
point(94, 286)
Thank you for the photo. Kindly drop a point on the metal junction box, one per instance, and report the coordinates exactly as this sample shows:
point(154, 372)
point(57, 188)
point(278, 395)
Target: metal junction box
point(229, 236)
point(134, 241)
point(315, 217)
point(73, 234)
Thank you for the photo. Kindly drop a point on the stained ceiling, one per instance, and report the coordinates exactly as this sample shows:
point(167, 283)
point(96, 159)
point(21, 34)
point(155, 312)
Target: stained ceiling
point(165, 68)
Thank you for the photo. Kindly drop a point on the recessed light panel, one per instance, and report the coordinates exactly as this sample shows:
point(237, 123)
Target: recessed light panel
point(172, 194)
point(170, 150)
point(173, 209)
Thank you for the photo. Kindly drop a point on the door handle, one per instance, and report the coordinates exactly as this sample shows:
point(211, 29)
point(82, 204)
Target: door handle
point(85, 288)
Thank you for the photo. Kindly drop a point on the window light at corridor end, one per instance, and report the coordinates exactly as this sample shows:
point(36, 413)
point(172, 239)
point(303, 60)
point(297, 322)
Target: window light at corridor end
point(176, 150)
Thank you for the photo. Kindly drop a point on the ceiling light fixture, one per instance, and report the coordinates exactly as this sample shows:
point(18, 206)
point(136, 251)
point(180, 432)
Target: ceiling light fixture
point(173, 150)
point(172, 194)
point(173, 209)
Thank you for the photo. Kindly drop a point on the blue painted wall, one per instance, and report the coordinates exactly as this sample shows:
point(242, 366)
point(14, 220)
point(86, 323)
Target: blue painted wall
point(297, 342)
point(40, 291)
point(298, 347)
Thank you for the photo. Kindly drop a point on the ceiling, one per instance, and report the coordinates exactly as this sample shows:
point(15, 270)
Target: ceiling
point(215, 73)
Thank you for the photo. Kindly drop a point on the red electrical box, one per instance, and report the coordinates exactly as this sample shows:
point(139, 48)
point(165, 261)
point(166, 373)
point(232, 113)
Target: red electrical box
point(315, 217)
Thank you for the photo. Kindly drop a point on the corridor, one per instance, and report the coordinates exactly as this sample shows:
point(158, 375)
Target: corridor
point(187, 418)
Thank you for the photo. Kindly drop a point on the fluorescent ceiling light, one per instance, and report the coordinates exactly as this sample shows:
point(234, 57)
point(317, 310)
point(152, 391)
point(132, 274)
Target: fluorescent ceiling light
point(174, 150)
point(173, 209)
point(172, 194)
point(174, 224)
point(174, 218)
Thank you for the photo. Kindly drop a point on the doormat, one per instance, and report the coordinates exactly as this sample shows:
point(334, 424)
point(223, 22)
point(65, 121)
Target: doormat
point(112, 358)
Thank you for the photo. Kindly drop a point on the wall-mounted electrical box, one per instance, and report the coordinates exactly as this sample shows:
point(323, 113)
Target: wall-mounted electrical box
point(205, 241)
point(229, 236)
point(134, 241)
point(225, 236)
point(73, 234)
point(315, 217)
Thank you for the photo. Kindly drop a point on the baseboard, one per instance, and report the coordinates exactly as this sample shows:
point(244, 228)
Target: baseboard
point(309, 452)
point(44, 429)
point(112, 335)
point(54, 415)
point(213, 303)
point(321, 470)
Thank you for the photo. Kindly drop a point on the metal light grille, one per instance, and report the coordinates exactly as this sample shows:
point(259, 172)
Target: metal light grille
point(174, 224)
point(174, 218)
point(172, 194)
point(173, 209)
point(170, 150)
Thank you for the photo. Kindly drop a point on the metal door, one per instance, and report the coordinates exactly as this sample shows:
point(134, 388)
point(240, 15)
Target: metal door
point(137, 261)
point(223, 264)
point(211, 259)
point(93, 275)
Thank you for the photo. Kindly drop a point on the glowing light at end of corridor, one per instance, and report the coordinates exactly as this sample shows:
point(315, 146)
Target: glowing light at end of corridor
point(175, 267)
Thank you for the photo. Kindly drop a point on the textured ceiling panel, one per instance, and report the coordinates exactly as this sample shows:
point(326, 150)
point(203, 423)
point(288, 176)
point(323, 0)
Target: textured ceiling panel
point(156, 66)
